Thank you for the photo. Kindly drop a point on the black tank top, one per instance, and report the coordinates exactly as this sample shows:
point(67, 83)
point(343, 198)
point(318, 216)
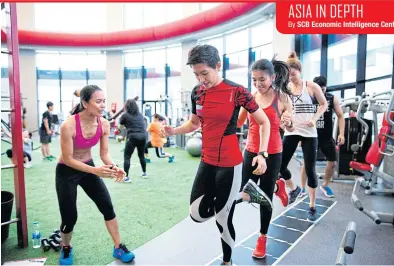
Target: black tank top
point(325, 123)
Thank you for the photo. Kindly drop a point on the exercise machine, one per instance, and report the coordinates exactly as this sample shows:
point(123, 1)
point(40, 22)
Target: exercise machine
point(382, 146)
point(358, 137)
point(347, 244)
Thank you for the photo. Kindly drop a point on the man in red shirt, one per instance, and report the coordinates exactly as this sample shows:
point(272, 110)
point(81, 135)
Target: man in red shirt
point(216, 103)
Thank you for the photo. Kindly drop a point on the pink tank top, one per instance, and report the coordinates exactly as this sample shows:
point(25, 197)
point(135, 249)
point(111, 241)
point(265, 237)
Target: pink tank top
point(82, 143)
point(275, 141)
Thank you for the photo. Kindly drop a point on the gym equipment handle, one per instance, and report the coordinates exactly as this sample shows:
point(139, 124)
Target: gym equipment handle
point(347, 243)
point(350, 240)
point(389, 108)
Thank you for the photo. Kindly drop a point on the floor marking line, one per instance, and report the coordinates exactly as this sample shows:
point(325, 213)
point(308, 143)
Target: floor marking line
point(304, 234)
point(272, 220)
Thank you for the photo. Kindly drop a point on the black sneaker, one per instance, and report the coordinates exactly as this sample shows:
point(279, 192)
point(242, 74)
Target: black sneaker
point(312, 216)
point(257, 195)
point(293, 195)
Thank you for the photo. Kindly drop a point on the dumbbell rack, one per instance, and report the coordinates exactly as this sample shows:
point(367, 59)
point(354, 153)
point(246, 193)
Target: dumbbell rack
point(16, 123)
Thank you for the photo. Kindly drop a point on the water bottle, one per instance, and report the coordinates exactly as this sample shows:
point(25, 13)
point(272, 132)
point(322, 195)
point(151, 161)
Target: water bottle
point(36, 236)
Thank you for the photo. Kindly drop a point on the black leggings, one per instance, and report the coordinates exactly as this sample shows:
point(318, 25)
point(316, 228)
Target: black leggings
point(214, 192)
point(267, 182)
point(159, 151)
point(67, 181)
point(309, 149)
point(131, 144)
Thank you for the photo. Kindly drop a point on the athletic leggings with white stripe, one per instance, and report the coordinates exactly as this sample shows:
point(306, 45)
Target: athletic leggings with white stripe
point(214, 193)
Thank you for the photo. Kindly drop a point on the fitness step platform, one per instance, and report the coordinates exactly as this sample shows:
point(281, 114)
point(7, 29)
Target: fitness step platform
point(285, 232)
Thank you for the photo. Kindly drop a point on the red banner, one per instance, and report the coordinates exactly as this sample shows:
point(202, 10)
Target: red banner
point(335, 17)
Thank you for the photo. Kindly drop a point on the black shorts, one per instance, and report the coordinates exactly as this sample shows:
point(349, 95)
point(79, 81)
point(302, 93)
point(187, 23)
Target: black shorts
point(9, 154)
point(44, 137)
point(327, 147)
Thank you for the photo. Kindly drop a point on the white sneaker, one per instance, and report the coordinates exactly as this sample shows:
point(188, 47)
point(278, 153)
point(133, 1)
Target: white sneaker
point(27, 165)
point(127, 179)
point(144, 175)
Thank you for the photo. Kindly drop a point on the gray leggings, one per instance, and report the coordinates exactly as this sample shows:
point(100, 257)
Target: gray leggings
point(309, 149)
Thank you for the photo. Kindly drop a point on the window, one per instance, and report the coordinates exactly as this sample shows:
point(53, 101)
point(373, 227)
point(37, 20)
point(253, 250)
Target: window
point(342, 59)
point(174, 61)
point(263, 33)
point(350, 93)
point(133, 59)
point(154, 62)
point(237, 41)
point(48, 61)
point(77, 61)
point(379, 55)
point(3, 19)
point(311, 54)
point(48, 90)
point(5, 103)
point(96, 62)
point(4, 61)
point(67, 93)
point(263, 52)
point(238, 68)
point(86, 17)
point(336, 93)
point(133, 75)
point(378, 86)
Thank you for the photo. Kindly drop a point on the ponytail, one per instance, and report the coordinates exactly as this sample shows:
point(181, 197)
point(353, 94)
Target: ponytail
point(85, 95)
point(77, 109)
point(282, 75)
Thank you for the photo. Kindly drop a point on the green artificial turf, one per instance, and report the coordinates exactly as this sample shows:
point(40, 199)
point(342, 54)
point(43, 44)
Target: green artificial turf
point(145, 208)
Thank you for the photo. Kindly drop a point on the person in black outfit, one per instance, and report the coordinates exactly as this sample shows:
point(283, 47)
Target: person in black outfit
point(46, 132)
point(135, 126)
point(326, 142)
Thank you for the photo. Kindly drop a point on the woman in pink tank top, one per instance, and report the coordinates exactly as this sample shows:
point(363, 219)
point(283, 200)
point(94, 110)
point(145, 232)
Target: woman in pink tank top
point(270, 79)
point(84, 129)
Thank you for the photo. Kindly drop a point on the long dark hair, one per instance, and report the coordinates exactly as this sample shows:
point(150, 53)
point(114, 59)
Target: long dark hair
point(86, 95)
point(279, 68)
point(131, 107)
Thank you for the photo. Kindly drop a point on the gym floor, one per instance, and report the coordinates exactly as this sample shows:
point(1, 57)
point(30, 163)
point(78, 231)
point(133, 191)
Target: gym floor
point(154, 221)
point(316, 246)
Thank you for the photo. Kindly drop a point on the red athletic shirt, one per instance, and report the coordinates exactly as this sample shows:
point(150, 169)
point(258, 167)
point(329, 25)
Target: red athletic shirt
point(275, 141)
point(218, 108)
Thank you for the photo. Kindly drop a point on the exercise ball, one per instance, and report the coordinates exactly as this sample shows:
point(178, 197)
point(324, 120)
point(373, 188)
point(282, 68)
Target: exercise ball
point(77, 93)
point(193, 147)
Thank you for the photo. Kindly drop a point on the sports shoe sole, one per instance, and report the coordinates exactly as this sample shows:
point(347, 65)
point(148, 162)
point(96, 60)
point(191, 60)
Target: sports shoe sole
point(262, 192)
point(257, 257)
point(325, 193)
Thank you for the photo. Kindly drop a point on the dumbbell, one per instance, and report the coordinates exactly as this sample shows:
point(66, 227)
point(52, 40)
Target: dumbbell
point(45, 244)
point(56, 237)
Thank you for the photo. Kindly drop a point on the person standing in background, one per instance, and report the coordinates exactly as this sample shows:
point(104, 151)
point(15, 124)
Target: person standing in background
point(46, 132)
